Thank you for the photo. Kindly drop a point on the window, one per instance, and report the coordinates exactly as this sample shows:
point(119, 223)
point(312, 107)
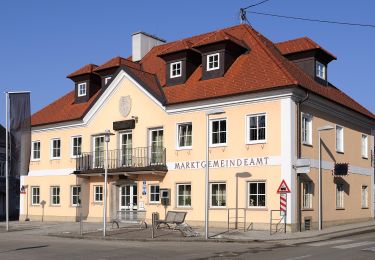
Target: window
point(256, 128)
point(175, 69)
point(364, 196)
point(184, 135)
point(183, 195)
point(76, 146)
point(306, 129)
point(157, 148)
point(35, 195)
point(98, 193)
point(218, 194)
point(35, 150)
point(154, 194)
point(339, 196)
point(213, 61)
point(76, 198)
point(218, 131)
point(82, 89)
point(56, 148)
point(55, 195)
point(126, 148)
point(339, 139)
point(98, 156)
point(257, 194)
point(364, 146)
point(106, 79)
point(307, 195)
point(320, 70)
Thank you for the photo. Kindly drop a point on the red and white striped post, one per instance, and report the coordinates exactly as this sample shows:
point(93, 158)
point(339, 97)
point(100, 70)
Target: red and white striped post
point(283, 204)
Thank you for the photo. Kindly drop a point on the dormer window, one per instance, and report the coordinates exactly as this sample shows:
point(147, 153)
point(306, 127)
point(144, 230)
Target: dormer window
point(213, 61)
point(320, 70)
point(106, 79)
point(82, 89)
point(175, 68)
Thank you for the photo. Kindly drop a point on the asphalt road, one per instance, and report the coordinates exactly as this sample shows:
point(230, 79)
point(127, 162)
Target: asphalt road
point(16, 245)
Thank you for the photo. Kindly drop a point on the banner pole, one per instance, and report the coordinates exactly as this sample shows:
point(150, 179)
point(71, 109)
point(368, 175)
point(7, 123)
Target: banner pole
point(6, 162)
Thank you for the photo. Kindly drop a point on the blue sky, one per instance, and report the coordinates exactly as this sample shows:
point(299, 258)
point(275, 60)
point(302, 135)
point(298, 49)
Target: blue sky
point(42, 41)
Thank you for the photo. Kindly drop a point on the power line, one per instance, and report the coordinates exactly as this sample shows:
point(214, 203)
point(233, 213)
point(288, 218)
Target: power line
point(259, 3)
point(309, 19)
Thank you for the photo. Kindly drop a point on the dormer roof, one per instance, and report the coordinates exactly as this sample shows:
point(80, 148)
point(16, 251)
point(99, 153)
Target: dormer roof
point(219, 36)
point(87, 69)
point(116, 62)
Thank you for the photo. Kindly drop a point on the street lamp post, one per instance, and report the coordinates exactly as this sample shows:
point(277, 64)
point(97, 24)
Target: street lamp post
point(320, 129)
point(207, 185)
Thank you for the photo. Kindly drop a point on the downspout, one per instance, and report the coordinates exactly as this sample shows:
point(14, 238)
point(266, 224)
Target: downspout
point(299, 148)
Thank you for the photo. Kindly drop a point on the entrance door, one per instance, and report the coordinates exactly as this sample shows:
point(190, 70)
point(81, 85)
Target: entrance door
point(128, 197)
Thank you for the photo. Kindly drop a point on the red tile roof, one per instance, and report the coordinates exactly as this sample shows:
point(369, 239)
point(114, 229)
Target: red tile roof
point(89, 68)
point(264, 67)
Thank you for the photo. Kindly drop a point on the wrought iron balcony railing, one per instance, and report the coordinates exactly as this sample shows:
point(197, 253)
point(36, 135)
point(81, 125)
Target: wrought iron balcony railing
point(132, 158)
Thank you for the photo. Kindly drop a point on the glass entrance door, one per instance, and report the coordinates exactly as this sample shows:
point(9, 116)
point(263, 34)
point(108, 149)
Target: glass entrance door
point(128, 197)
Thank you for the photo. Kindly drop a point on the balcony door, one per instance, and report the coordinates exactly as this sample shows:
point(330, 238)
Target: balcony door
point(128, 197)
point(126, 143)
point(156, 146)
point(98, 151)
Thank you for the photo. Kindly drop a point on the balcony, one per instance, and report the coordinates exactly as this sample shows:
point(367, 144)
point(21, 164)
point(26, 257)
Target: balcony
point(133, 160)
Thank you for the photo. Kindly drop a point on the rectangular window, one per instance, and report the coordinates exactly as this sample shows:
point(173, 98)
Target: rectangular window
point(157, 148)
point(307, 195)
point(185, 135)
point(35, 195)
point(98, 193)
point(364, 196)
point(183, 195)
point(76, 146)
point(256, 128)
point(55, 148)
point(175, 69)
point(55, 195)
point(306, 129)
point(126, 148)
point(76, 197)
point(106, 79)
point(257, 194)
point(218, 132)
point(339, 139)
point(339, 196)
point(213, 61)
point(218, 195)
point(35, 150)
point(320, 70)
point(82, 89)
point(98, 156)
point(364, 146)
point(154, 193)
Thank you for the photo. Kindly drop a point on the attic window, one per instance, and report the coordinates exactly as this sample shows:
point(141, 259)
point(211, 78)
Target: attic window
point(82, 89)
point(213, 61)
point(320, 70)
point(175, 68)
point(106, 79)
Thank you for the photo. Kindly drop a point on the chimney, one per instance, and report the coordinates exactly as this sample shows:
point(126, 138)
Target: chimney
point(142, 43)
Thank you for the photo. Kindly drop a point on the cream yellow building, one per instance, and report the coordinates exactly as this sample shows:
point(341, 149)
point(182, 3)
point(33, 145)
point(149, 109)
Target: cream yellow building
point(274, 97)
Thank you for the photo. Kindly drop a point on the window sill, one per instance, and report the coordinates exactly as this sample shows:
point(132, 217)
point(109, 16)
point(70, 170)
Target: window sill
point(256, 142)
point(184, 148)
point(218, 145)
point(35, 205)
point(364, 158)
point(55, 206)
point(218, 208)
point(258, 208)
point(153, 203)
point(364, 208)
point(340, 152)
point(35, 160)
point(182, 208)
point(307, 144)
point(95, 203)
point(340, 208)
point(308, 209)
point(54, 159)
point(75, 206)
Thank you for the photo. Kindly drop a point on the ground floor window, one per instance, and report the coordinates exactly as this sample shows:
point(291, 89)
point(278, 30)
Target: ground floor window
point(184, 195)
point(76, 200)
point(154, 193)
point(35, 195)
point(55, 195)
point(307, 195)
point(339, 196)
point(364, 196)
point(218, 194)
point(257, 194)
point(98, 193)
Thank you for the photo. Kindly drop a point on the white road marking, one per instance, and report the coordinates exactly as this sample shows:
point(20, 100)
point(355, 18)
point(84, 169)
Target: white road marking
point(369, 249)
point(330, 242)
point(347, 246)
point(298, 257)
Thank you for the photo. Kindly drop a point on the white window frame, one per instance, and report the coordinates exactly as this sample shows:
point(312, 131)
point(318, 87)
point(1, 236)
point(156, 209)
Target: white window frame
point(364, 196)
point(33, 150)
point(171, 69)
point(323, 70)
point(226, 132)
point(128, 153)
point(340, 196)
point(306, 126)
point(72, 146)
point(247, 130)
point(100, 163)
point(340, 149)
point(82, 89)
point(307, 199)
point(224, 196)
point(151, 201)
point(177, 195)
point(218, 61)
point(98, 192)
point(72, 195)
point(35, 195)
point(58, 195)
point(106, 79)
point(178, 136)
point(150, 141)
point(265, 194)
point(364, 146)
point(52, 149)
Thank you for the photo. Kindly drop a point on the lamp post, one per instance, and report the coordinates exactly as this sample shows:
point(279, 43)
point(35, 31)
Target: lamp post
point(207, 184)
point(320, 129)
point(107, 136)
